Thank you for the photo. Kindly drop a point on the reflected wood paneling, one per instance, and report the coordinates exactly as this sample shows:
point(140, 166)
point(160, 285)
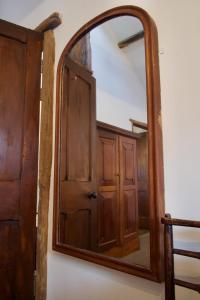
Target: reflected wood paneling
point(117, 199)
point(128, 188)
point(130, 213)
point(108, 221)
point(75, 228)
point(108, 189)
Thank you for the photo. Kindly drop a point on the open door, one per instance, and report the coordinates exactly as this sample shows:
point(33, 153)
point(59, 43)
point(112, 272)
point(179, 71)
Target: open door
point(77, 164)
point(20, 57)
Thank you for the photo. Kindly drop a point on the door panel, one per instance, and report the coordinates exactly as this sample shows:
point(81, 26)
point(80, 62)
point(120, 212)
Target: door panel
point(76, 227)
point(78, 173)
point(108, 189)
point(20, 57)
point(128, 188)
point(130, 212)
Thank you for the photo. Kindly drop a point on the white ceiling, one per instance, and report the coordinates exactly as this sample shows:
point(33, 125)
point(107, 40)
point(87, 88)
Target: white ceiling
point(124, 26)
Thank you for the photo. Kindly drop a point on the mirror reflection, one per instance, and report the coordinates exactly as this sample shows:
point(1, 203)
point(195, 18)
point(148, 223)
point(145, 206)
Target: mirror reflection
point(104, 144)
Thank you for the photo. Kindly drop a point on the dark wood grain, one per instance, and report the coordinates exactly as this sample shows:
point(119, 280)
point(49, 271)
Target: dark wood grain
point(155, 156)
point(20, 52)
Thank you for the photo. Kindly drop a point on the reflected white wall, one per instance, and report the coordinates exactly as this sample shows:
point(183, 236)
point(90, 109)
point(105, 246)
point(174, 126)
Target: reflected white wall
point(120, 74)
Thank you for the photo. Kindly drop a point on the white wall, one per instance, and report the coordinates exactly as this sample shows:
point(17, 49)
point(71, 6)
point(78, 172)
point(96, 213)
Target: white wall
point(121, 83)
point(178, 23)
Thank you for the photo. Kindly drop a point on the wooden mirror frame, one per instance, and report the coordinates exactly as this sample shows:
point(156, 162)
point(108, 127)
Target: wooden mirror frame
point(156, 190)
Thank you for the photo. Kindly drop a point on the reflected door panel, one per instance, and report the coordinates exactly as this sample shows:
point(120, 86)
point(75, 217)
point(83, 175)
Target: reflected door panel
point(108, 190)
point(77, 208)
point(117, 193)
point(128, 188)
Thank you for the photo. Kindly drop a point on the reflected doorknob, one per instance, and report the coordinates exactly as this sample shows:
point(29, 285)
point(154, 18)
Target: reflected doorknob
point(92, 195)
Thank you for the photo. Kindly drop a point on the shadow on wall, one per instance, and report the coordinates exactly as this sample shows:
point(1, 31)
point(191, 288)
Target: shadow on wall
point(16, 14)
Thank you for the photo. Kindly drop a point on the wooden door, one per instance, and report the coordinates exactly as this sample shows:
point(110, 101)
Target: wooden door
point(20, 56)
point(108, 189)
point(78, 226)
point(128, 190)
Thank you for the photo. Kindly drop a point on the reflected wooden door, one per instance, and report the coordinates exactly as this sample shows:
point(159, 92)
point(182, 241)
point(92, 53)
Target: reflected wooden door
point(78, 224)
point(128, 192)
point(117, 192)
point(20, 56)
point(108, 190)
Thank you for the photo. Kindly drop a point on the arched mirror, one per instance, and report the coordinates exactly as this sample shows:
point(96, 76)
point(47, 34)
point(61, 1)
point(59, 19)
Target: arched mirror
point(108, 161)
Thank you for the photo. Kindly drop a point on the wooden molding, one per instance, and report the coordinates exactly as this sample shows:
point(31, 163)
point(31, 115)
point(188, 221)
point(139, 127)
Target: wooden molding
point(53, 21)
point(133, 38)
point(139, 124)
point(45, 162)
point(117, 130)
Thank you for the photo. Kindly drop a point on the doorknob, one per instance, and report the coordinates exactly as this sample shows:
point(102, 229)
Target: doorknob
point(92, 195)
